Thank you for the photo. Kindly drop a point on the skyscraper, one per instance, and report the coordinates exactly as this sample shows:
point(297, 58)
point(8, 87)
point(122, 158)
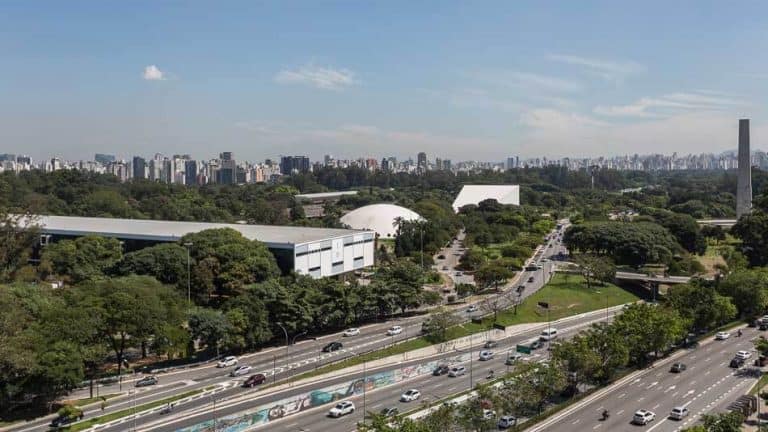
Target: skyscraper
point(290, 164)
point(421, 160)
point(227, 173)
point(190, 172)
point(744, 185)
point(139, 166)
point(104, 159)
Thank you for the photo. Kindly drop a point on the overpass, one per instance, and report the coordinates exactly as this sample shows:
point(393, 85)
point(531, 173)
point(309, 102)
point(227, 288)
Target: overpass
point(640, 277)
point(725, 223)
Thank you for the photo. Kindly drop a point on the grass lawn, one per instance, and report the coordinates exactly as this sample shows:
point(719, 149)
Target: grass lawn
point(566, 296)
point(565, 299)
point(88, 423)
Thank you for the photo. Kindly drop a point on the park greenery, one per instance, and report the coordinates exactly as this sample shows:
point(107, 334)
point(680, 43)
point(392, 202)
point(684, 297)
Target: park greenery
point(92, 306)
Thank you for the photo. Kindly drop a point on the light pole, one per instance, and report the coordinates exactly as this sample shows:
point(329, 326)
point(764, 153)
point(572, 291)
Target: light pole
point(189, 283)
point(471, 354)
point(274, 359)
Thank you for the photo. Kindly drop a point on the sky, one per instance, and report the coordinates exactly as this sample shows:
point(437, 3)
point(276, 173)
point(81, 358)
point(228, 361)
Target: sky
point(463, 80)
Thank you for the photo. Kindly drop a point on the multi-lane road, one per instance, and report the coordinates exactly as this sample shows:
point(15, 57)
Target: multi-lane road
point(708, 385)
point(280, 363)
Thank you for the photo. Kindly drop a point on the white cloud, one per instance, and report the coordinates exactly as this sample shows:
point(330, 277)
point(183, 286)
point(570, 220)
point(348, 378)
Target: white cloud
point(527, 81)
point(326, 78)
point(153, 73)
point(671, 104)
point(609, 70)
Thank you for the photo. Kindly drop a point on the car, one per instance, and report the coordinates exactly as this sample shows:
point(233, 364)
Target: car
point(351, 332)
point(763, 326)
point(441, 370)
point(544, 260)
point(441, 256)
point(507, 421)
point(520, 288)
point(458, 273)
point(410, 395)
point(446, 268)
point(512, 359)
point(255, 380)
point(491, 344)
point(64, 420)
point(535, 344)
point(722, 335)
point(394, 330)
point(333, 346)
point(530, 279)
point(486, 355)
point(736, 362)
point(240, 370)
point(489, 414)
point(341, 409)
point(147, 381)
point(643, 417)
point(227, 362)
point(389, 412)
point(678, 367)
point(457, 371)
point(472, 308)
point(743, 354)
point(678, 413)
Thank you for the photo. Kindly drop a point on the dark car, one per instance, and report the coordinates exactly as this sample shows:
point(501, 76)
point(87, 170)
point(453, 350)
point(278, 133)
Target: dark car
point(520, 288)
point(440, 370)
point(390, 412)
point(62, 421)
point(491, 344)
point(255, 380)
point(146, 381)
point(441, 256)
point(737, 363)
point(763, 326)
point(678, 367)
point(530, 279)
point(333, 346)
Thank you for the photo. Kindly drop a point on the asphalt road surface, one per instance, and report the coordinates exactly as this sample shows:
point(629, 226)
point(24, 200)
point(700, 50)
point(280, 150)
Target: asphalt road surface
point(707, 386)
point(432, 388)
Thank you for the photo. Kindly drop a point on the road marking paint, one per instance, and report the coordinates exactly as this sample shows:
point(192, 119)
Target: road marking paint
point(596, 426)
point(620, 412)
point(576, 421)
point(622, 395)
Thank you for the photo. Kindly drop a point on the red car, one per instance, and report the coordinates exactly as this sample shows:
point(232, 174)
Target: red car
point(255, 380)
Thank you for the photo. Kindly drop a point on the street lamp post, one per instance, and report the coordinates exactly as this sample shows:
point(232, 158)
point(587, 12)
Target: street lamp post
point(189, 282)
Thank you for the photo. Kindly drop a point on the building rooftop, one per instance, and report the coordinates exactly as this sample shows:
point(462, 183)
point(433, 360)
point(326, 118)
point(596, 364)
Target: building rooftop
point(275, 236)
point(325, 195)
point(474, 194)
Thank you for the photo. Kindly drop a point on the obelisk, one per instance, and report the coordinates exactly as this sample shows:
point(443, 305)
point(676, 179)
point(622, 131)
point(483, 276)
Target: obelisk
point(744, 185)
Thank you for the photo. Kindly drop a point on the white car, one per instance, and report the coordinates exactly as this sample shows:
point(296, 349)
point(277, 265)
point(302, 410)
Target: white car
point(342, 408)
point(507, 421)
point(489, 414)
point(240, 370)
point(227, 362)
point(486, 355)
point(395, 330)
point(743, 354)
point(722, 335)
point(410, 395)
point(643, 417)
point(457, 371)
point(678, 413)
point(351, 332)
point(472, 308)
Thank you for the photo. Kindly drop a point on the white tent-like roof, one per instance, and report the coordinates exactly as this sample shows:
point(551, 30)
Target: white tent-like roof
point(474, 194)
point(379, 217)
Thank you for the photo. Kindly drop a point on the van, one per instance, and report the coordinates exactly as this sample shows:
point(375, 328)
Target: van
point(548, 334)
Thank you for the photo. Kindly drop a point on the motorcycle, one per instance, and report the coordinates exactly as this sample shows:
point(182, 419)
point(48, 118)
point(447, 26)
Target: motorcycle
point(605, 416)
point(490, 375)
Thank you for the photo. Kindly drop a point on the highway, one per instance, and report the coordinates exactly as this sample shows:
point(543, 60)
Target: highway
point(283, 362)
point(315, 419)
point(709, 385)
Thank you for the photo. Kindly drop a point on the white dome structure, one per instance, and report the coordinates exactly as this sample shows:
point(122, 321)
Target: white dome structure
point(379, 217)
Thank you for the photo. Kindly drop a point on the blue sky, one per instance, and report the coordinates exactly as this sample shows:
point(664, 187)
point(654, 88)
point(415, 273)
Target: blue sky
point(463, 80)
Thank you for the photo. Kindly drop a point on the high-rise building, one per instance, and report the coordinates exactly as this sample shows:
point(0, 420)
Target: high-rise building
point(139, 168)
point(421, 161)
point(104, 159)
point(511, 163)
point(227, 173)
point(446, 164)
point(291, 164)
point(190, 172)
point(744, 180)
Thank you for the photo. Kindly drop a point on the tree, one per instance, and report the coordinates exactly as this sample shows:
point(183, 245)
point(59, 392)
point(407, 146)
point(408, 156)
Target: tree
point(492, 274)
point(18, 234)
point(82, 259)
point(209, 326)
point(531, 387)
point(595, 267)
point(438, 323)
point(748, 290)
point(714, 232)
point(129, 310)
point(700, 304)
point(165, 262)
point(752, 229)
point(579, 359)
point(649, 330)
point(721, 422)
point(611, 347)
point(630, 243)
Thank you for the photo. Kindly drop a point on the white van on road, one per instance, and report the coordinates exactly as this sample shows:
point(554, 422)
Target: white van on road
point(548, 334)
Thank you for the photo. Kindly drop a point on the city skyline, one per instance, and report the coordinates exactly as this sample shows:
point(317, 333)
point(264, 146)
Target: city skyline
point(346, 78)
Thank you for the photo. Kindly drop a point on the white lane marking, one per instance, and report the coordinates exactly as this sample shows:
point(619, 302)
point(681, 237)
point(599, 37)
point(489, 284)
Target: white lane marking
point(622, 395)
point(652, 384)
point(670, 389)
point(596, 426)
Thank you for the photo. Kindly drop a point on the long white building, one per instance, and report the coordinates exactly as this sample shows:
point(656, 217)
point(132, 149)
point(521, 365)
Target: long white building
point(317, 252)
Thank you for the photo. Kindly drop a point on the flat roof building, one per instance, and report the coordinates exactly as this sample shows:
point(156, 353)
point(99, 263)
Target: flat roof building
point(316, 252)
point(474, 194)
